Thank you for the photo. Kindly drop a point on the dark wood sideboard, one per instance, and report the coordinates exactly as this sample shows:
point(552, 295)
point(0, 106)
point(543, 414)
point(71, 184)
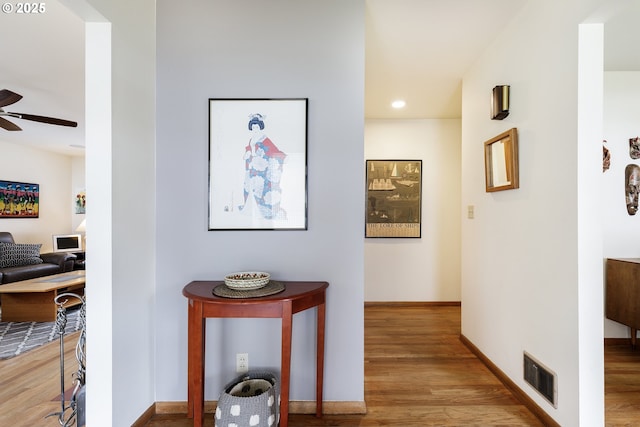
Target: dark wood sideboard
point(623, 293)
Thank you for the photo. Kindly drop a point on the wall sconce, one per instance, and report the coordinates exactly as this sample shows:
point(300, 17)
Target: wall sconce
point(500, 102)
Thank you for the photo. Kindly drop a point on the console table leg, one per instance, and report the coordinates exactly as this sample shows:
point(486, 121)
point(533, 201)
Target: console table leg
point(195, 361)
point(634, 339)
point(320, 359)
point(287, 318)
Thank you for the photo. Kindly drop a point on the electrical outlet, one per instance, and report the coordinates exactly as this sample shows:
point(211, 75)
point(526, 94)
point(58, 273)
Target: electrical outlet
point(242, 362)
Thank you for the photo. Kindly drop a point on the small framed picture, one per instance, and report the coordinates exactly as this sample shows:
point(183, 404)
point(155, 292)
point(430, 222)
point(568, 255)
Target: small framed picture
point(394, 198)
point(501, 162)
point(258, 164)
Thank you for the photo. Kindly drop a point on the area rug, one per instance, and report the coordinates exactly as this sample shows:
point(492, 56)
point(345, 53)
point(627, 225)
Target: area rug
point(19, 337)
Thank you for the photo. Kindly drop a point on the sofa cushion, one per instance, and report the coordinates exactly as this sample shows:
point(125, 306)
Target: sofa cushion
point(15, 254)
point(26, 272)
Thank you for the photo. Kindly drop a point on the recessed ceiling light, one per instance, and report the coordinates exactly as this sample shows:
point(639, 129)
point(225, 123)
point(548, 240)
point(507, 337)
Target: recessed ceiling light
point(398, 104)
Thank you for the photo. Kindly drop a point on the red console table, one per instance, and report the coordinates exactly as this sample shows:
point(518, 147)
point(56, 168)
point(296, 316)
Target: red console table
point(297, 296)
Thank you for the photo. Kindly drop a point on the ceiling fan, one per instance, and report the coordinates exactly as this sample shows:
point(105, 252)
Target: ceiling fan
point(7, 98)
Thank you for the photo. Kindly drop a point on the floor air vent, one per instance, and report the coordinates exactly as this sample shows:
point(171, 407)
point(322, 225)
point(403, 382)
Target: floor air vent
point(541, 378)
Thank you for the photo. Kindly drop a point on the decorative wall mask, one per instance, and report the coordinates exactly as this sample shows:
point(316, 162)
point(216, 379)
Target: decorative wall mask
point(632, 187)
point(634, 147)
point(606, 157)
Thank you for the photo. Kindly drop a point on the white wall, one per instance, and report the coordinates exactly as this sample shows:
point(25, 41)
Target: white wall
point(621, 231)
point(248, 49)
point(523, 271)
point(53, 172)
point(120, 178)
point(425, 269)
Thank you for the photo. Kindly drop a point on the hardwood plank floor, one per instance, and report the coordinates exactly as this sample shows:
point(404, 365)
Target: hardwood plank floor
point(622, 385)
point(417, 373)
point(30, 384)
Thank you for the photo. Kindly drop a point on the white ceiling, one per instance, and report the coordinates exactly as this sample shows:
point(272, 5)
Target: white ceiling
point(417, 50)
point(43, 60)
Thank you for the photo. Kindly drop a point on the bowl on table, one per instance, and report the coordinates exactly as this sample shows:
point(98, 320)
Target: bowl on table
point(247, 280)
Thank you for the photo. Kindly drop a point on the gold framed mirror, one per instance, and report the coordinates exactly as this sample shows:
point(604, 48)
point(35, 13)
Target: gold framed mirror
point(501, 161)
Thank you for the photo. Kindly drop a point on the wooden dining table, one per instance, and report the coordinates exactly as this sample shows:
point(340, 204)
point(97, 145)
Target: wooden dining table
point(203, 304)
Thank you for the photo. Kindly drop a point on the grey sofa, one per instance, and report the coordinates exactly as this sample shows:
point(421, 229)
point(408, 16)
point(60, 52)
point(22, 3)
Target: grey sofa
point(52, 263)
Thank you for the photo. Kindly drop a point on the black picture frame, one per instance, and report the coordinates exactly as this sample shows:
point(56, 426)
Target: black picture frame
point(258, 164)
point(394, 199)
point(19, 200)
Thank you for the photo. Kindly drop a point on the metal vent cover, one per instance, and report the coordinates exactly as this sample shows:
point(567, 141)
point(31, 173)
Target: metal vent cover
point(541, 378)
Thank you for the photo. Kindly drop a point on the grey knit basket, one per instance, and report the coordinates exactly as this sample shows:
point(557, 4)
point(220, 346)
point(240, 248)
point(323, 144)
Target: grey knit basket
point(250, 400)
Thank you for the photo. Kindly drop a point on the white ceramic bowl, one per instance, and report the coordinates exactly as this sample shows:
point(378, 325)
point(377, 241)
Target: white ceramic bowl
point(247, 280)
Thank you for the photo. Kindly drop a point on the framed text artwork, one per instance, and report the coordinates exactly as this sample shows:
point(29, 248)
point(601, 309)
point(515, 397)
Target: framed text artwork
point(394, 198)
point(19, 200)
point(258, 164)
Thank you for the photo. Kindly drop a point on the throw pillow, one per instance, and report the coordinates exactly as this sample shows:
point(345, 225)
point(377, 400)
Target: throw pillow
point(15, 254)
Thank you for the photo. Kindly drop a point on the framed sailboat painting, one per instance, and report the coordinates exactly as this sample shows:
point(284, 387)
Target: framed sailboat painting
point(394, 198)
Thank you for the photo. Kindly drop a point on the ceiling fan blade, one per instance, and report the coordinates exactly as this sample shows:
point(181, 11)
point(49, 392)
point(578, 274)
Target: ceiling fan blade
point(43, 119)
point(7, 97)
point(6, 124)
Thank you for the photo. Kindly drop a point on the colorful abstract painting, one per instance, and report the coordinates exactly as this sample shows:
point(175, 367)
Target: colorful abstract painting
point(19, 200)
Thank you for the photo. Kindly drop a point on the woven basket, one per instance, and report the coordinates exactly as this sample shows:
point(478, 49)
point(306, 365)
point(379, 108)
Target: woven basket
point(250, 400)
point(247, 280)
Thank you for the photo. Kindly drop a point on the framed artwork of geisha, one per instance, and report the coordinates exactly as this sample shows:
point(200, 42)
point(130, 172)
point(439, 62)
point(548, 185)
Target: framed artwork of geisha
point(258, 164)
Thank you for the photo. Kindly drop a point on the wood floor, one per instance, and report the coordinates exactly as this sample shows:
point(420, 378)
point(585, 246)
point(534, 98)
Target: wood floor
point(30, 384)
point(622, 385)
point(417, 373)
